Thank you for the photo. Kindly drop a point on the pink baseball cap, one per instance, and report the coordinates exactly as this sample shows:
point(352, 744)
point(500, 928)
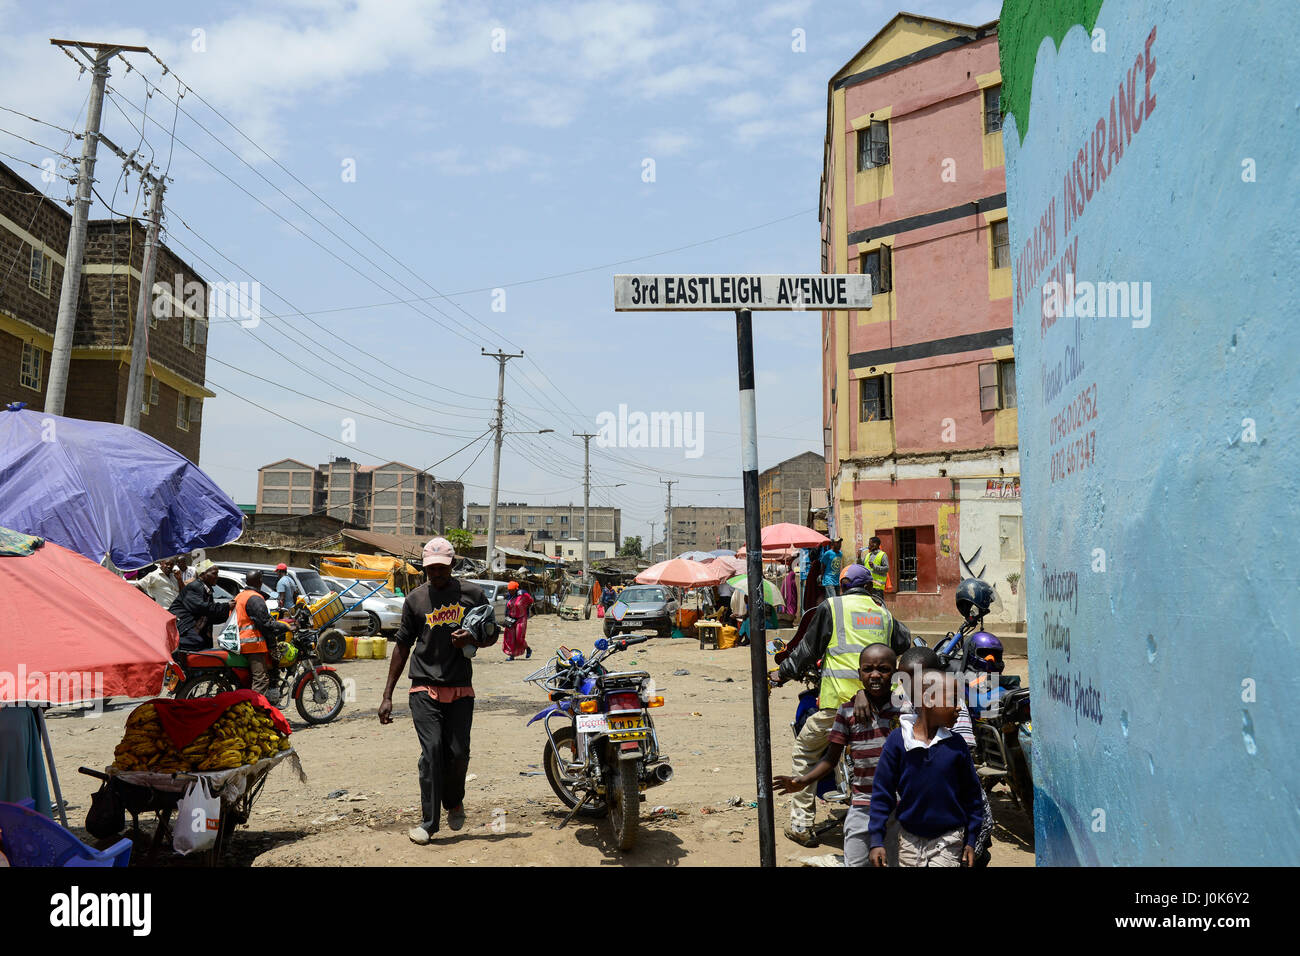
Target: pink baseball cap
point(439, 551)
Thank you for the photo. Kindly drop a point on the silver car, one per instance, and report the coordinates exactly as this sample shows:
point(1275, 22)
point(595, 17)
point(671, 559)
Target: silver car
point(498, 596)
point(312, 585)
point(383, 608)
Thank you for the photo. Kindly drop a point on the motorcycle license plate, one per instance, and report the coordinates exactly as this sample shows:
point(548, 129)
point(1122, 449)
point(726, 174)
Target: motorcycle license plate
point(592, 723)
point(627, 727)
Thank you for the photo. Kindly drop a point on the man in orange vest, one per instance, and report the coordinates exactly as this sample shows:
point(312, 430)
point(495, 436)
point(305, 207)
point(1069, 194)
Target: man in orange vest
point(255, 626)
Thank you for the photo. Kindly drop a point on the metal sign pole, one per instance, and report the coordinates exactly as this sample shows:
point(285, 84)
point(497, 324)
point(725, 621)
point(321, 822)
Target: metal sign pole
point(754, 568)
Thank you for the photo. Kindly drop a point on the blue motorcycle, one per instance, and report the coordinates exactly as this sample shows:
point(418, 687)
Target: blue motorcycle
point(606, 754)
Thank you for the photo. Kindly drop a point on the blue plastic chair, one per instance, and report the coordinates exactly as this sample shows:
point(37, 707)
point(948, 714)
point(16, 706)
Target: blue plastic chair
point(30, 839)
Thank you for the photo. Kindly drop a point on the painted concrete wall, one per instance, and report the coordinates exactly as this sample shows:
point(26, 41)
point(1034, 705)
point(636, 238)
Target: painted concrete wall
point(1160, 522)
point(990, 507)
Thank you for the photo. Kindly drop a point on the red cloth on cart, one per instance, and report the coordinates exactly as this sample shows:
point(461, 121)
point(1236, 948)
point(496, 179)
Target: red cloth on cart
point(185, 720)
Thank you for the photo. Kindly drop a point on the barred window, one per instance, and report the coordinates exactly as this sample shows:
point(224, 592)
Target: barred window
point(33, 361)
point(993, 109)
point(873, 145)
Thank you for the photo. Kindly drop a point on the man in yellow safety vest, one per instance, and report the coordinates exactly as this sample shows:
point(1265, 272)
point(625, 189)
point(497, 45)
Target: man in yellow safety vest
point(840, 628)
point(877, 563)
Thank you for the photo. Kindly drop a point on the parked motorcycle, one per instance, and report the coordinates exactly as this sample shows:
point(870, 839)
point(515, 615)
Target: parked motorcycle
point(315, 688)
point(605, 756)
point(998, 705)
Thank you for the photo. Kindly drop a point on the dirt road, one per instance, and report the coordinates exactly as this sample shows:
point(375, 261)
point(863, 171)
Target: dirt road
point(362, 795)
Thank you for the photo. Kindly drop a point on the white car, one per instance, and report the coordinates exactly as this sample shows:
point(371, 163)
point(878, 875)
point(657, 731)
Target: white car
point(383, 608)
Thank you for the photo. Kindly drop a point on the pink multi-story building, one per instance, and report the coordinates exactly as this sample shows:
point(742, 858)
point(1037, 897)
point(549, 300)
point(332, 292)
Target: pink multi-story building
point(919, 392)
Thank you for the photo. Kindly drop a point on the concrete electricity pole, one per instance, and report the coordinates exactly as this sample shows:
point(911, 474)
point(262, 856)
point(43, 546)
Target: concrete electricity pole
point(649, 551)
point(502, 358)
point(586, 500)
point(135, 396)
point(66, 324)
point(668, 527)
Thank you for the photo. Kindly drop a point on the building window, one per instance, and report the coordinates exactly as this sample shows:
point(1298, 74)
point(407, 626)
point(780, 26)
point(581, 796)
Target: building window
point(878, 263)
point(33, 360)
point(993, 109)
point(1001, 237)
point(873, 145)
point(183, 412)
point(514, 519)
point(478, 519)
point(532, 519)
point(907, 559)
point(998, 385)
point(875, 405)
point(42, 272)
point(550, 521)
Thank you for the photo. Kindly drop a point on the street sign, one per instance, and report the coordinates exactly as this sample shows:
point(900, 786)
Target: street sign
point(730, 293)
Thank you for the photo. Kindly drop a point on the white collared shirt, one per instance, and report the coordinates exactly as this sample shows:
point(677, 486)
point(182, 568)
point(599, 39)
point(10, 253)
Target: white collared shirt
point(907, 722)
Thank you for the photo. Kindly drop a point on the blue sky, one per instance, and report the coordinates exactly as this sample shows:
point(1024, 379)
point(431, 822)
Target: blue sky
point(477, 169)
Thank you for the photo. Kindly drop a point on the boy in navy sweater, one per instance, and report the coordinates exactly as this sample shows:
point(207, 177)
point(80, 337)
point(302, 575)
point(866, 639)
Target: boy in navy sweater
point(938, 792)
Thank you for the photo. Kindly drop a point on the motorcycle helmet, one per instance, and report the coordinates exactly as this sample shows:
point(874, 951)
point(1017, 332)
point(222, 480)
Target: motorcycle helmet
point(985, 653)
point(974, 598)
point(855, 576)
point(480, 621)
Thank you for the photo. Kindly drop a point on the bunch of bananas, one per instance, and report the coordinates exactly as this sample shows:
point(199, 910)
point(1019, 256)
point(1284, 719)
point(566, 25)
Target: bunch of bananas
point(243, 734)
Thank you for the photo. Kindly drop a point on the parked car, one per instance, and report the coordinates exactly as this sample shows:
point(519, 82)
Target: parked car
point(649, 607)
point(313, 586)
point(230, 583)
point(498, 596)
point(383, 608)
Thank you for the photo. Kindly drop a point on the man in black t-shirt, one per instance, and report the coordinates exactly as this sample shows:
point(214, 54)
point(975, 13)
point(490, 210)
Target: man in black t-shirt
point(442, 692)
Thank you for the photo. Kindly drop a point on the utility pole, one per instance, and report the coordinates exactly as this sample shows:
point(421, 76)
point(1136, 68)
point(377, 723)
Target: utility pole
point(135, 396)
point(66, 324)
point(586, 499)
point(668, 528)
point(649, 552)
point(499, 425)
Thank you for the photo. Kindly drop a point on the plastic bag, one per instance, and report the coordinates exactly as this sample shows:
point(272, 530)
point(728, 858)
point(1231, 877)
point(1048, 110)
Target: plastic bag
point(228, 640)
point(198, 818)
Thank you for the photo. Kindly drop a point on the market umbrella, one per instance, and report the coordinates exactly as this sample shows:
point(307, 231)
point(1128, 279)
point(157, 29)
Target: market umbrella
point(105, 490)
point(727, 566)
point(702, 556)
point(722, 553)
point(770, 554)
point(74, 631)
point(680, 573)
point(771, 594)
point(783, 536)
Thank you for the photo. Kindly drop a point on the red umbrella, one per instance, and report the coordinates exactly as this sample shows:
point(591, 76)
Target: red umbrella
point(75, 631)
point(681, 573)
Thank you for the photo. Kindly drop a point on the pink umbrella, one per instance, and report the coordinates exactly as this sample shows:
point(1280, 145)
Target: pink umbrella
point(681, 573)
point(726, 565)
point(783, 536)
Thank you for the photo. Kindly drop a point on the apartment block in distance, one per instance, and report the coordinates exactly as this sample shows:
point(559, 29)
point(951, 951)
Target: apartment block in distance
point(33, 238)
point(706, 529)
point(919, 392)
point(393, 498)
point(556, 529)
point(785, 490)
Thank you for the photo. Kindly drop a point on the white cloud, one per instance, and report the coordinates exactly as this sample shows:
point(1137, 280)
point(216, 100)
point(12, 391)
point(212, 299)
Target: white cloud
point(455, 162)
point(668, 142)
point(739, 105)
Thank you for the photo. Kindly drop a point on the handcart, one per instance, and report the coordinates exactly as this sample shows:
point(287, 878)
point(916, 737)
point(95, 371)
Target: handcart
point(145, 791)
point(328, 609)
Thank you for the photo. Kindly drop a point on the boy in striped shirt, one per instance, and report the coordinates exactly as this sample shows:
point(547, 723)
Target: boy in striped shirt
point(864, 734)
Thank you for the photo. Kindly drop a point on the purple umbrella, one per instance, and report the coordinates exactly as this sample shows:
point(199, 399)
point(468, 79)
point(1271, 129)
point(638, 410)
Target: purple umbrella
point(107, 491)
